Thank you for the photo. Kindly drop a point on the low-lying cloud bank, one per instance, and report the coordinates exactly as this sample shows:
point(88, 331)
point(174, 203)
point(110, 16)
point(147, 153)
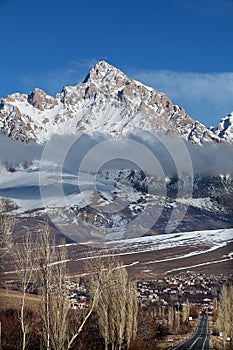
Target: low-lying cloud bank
point(154, 154)
point(18, 152)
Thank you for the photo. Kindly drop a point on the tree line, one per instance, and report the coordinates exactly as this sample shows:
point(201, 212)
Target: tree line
point(112, 297)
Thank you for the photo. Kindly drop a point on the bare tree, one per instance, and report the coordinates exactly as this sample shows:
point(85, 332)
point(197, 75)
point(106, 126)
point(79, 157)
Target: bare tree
point(116, 306)
point(171, 317)
point(185, 311)
point(6, 226)
point(177, 320)
point(112, 296)
point(132, 313)
point(55, 306)
point(52, 278)
point(25, 264)
point(81, 319)
point(225, 315)
point(45, 263)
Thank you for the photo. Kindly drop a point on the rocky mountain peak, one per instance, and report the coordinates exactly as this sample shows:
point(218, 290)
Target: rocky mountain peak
point(225, 128)
point(100, 71)
point(107, 101)
point(39, 99)
point(107, 77)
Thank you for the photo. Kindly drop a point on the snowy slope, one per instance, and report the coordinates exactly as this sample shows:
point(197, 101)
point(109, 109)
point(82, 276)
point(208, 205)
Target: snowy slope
point(204, 241)
point(107, 101)
point(171, 253)
point(225, 128)
point(114, 204)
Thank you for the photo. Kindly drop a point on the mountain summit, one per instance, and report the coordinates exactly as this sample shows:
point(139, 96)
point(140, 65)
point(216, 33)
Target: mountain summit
point(107, 101)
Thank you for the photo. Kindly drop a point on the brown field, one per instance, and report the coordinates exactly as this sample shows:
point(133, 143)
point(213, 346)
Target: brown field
point(140, 265)
point(10, 299)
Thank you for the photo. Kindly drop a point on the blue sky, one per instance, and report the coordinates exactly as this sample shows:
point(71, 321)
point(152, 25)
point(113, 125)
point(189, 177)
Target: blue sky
point(181, 47)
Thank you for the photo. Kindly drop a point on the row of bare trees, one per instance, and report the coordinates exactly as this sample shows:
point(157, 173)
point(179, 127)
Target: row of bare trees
point(178, 315)
point(225, 314)
point(112, 297)
point(116, 305)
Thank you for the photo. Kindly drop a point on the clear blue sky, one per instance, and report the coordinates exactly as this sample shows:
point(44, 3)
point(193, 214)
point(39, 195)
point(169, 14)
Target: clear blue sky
point(181, 47)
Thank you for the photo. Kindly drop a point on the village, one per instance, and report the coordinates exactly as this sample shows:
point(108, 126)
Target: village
point(198, 289)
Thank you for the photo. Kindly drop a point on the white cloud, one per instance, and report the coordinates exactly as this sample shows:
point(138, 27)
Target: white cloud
point(206, 97)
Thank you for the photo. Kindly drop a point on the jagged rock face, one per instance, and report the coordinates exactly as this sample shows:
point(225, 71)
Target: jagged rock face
point(13, 123)
point(39, 99)
point(225, 128)
point(107, 101)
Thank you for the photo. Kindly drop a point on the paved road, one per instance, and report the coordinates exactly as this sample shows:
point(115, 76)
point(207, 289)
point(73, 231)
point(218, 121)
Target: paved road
point(200, 338)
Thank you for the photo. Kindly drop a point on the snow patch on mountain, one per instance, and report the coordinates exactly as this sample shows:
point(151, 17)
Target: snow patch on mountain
point(108, 101)
point(224, 130)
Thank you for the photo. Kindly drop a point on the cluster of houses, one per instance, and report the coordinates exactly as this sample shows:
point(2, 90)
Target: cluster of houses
point(77, 294)
point(198, 288)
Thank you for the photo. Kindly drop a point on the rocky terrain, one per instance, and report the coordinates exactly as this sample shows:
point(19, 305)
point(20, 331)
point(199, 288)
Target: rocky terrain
point(107, 101)
point(225, 128)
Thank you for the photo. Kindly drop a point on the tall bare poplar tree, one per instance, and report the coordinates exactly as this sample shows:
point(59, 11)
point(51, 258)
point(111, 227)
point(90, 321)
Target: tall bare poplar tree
point(6, 226)
point(25, 254)
point(225, 315)
point(171, 317)
point(116, 306)
point(54, 304)
point(185, 311)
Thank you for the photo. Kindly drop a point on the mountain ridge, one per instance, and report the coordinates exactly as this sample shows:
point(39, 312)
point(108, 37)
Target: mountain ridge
point(107, 101)
point(225, 128)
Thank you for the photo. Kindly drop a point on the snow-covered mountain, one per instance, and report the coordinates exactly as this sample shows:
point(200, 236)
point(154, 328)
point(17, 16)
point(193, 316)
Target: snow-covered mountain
point(107, 101)
point(122, 204)
point(225, 128)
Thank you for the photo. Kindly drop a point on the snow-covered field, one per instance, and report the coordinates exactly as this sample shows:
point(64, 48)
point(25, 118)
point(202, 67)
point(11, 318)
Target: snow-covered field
point(201, 250)
point(202, 241)
point(171, 252)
